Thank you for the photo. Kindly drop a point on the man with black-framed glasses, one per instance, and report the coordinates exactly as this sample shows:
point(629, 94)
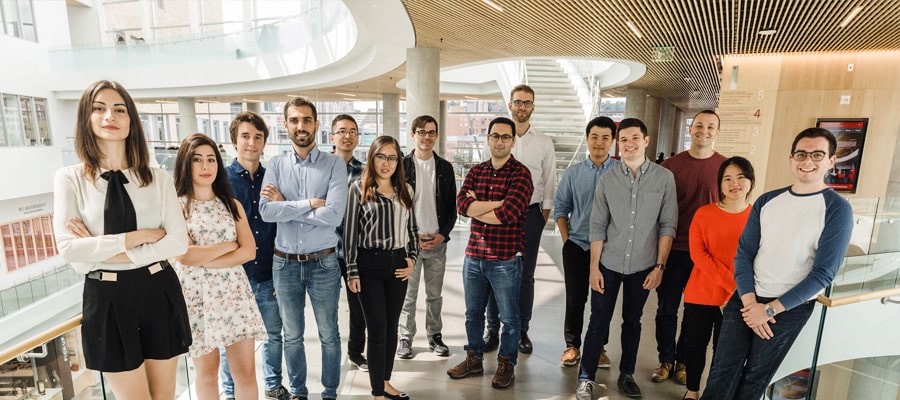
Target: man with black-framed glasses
point(534, 150)
point(495, 196)
point(434, 184)
point(779, 272)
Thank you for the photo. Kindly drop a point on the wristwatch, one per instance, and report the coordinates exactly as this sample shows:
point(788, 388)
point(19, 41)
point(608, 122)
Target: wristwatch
point(770, 311)
point(662, 267)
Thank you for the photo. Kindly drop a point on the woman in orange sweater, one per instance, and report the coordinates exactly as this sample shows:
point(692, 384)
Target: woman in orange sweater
point(714, 235)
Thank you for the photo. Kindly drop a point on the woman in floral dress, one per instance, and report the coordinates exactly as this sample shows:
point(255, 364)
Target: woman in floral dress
point(221, 305)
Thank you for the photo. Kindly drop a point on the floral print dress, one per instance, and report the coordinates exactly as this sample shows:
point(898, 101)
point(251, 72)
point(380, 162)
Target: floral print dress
point(221, 305)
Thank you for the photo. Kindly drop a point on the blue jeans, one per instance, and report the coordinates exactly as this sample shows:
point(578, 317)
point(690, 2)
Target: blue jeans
point(634, 296)
point(534, 227)
point(744, 364)
point(271, 356)
point(321, 279)
point(481, 277)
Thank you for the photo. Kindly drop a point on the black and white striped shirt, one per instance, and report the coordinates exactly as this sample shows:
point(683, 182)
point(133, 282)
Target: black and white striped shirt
point(383, 223)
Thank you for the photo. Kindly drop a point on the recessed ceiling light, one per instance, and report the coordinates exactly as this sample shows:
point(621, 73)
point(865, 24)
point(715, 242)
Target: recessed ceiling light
point(767, 31)
point(166, 101)
point(251, 101)
point(345, 94)
point(471, 98)
point(850, 16)
point(634, 29)
point(493, 5)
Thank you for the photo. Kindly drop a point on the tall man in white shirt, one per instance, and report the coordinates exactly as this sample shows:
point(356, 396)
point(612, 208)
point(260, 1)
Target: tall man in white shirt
point(434, 182)
point(536, 151)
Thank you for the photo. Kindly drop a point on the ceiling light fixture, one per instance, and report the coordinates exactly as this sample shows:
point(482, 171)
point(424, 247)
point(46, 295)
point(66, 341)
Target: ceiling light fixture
point(345, 94)
point(850, 16)
point(634, 29)
point(166, 101)
point(350, 99)
point(471, 98)
point(767, 31)
point(493, 5)
point(251, 101)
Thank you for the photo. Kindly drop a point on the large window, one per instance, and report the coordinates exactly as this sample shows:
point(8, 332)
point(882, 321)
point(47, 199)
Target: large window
point(28, 241)
point(24, 121)
point(18, 19)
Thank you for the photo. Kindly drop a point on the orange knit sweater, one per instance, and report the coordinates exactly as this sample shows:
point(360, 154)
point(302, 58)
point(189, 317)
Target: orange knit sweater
point(714, 238)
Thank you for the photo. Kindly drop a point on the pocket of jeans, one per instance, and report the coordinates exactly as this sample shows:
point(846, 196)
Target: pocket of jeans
point(329, 262)
point(278, 263)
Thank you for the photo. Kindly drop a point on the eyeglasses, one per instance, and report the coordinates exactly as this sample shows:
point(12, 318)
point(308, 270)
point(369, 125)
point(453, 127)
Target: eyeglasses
point(503, 138)
point(423, 133)
point(520, 103)
point(801, 155)
point(382, 158)
point(343, 132)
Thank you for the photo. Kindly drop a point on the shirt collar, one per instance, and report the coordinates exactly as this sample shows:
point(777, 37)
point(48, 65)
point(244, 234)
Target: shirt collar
point(311, 158)
point(239, 169)
point(643, 168)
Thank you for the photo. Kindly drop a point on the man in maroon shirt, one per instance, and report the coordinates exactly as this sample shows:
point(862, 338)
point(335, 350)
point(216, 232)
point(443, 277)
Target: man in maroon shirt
point(495, 195)
point(695, 171)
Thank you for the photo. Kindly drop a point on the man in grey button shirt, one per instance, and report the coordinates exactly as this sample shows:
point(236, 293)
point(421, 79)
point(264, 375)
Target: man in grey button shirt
point(631, 231)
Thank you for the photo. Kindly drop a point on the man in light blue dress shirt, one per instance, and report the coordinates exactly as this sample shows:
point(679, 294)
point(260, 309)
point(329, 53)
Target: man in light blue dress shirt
point(305, 193)
point(572, 211)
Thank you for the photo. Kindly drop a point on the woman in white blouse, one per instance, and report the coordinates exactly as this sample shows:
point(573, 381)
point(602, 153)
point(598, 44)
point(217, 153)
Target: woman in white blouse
point(117, 220)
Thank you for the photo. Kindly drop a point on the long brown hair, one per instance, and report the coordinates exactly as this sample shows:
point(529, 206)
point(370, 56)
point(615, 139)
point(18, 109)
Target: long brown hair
point(184, 181)
point(398, 179)
point(136, 153)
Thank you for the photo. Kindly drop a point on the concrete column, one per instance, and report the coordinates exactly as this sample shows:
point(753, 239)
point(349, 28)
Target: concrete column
point(635, 103)
point(390, 112)
point(651, 119)
point(187, 116)
point(255, 107)
point(84, 25)
point(442, 128)
point(423, 82)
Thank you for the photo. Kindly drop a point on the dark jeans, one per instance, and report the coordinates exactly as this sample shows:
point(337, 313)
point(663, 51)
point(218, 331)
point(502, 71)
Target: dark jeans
point(534, 227)
point(481, 277)
point(634, 296)
point(699, 323)
point(675, 277)
point(744, 364)
point(576, 272)
point(381, 295)
point(357, 338)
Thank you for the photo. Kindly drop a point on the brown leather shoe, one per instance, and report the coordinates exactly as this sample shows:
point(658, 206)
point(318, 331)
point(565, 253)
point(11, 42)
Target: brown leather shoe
point(680, 373)
point(570, 357)
point(662, 372)
point(604, 361)
point(505, 373)
point(470, 366)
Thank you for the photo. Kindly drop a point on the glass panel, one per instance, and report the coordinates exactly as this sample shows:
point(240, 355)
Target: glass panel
point(43, 124)
point(27, 18)
point(12, 120)
point(28, 121)
point(9, 301)
point(9, 248)
point(122, 16)
point(24, 295)
point(11, 18)
point(886, 232)
point(38, 289)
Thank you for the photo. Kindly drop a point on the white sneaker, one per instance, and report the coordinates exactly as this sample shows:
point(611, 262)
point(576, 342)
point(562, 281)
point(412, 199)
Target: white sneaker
point(585, 390)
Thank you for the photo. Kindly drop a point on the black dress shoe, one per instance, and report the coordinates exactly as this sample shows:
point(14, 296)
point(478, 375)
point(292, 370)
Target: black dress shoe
point(627, 386)
point(398, 396)
point(491, 341)
point(525, 345)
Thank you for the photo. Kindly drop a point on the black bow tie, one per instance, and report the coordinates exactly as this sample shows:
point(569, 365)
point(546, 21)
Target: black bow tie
point(118, 211)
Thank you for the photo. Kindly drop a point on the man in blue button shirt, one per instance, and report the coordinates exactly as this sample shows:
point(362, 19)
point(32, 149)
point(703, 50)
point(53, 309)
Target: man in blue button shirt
point(305, 192)
point(249, 134)
point(573, 204)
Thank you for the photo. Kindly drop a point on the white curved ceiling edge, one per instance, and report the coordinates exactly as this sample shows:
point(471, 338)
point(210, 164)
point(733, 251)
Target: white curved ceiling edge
point(384, 32)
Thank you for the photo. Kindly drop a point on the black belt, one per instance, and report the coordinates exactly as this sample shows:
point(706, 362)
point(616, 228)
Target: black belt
point(304, 257)
point(111, 276)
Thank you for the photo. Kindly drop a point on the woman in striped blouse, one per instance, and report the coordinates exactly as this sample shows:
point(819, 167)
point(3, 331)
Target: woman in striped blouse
point(380, 245)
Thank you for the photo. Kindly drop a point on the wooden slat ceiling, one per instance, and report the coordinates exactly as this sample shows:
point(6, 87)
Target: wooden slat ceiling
point(469, 31)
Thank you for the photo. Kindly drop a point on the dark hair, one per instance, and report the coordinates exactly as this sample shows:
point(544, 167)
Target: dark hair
point(301, 102)
point(398, 179)
point(710, 112)
point(184, 182)
point(633, 123)
point(742, 164)
point(813, 133)
point(136, 153)
point(251, 117)
point(420, 122)
point(520, 88)
point(502, 120)
point(601, 122)
point(343, 117)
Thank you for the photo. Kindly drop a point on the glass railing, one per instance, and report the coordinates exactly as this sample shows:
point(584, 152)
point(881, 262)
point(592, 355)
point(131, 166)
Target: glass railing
point(849, 348)
point(36, 288)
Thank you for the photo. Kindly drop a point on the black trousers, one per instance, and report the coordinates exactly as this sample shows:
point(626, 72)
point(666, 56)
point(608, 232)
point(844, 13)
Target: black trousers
point(381, 295)
point(357, 341)
point(700, 322)
point(576, 273)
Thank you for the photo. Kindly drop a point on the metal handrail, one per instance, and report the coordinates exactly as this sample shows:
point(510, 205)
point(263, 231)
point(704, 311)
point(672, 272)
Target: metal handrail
point(857, 298)
point(37, 340)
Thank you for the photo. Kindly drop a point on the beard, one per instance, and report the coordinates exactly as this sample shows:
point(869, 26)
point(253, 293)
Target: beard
point(306, 141)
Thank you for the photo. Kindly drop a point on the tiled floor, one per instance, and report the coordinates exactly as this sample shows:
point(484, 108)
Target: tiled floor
point(538, 375)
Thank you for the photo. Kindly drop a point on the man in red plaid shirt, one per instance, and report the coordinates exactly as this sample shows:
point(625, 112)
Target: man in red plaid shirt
point(495, 195)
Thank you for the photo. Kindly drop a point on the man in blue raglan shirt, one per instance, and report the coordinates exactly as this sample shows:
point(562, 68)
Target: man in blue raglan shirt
point(790, 250)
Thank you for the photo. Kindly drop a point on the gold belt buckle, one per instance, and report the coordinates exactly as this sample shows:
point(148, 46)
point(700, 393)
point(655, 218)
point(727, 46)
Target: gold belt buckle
point(108, 276)
point(155, 268)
